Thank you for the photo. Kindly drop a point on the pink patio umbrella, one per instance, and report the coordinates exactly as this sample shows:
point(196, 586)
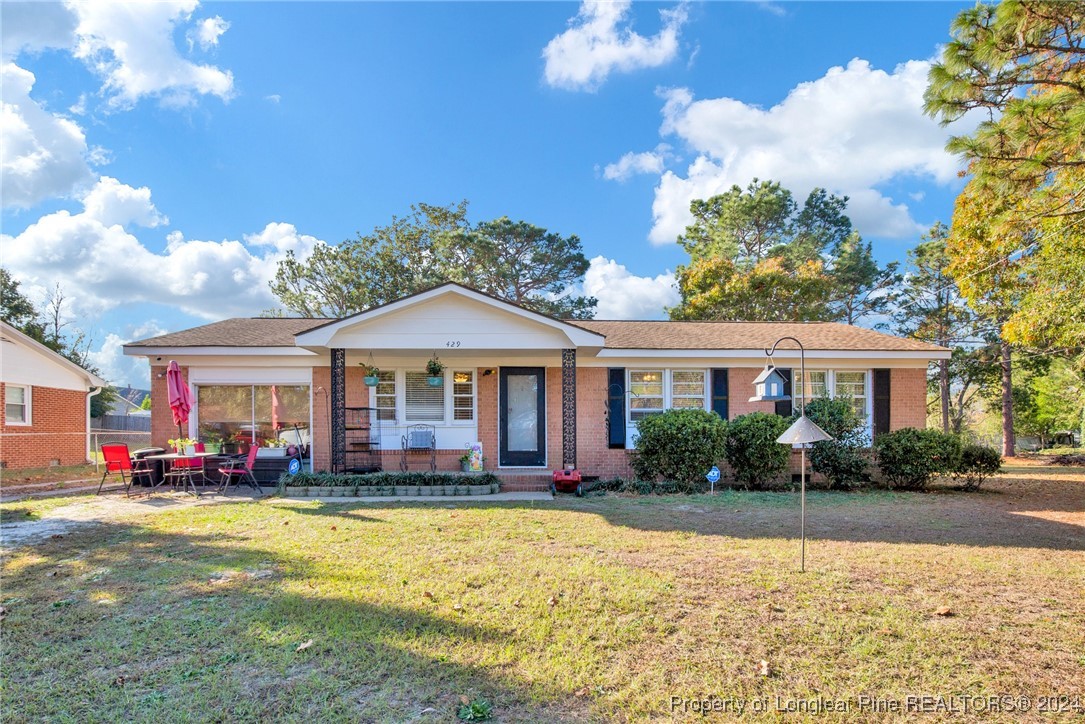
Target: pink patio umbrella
point(180, 399)
point(277, 411)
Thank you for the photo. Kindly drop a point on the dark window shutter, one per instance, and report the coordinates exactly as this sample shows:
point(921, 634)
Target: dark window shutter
point(882, 394)
point(783, 407)
point(719, 392)
point(616, 407)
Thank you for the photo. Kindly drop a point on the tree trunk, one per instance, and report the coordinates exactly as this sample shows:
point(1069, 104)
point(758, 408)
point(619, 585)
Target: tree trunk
point(943, 387)
point(1009, 442)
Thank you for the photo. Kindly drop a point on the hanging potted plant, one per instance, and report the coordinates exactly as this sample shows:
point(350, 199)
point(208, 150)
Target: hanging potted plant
point(372, 374)
point(436, 371)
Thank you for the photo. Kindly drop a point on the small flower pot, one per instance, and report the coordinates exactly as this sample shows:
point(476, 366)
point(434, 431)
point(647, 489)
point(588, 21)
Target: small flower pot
point(435, 381)
point(372, 380)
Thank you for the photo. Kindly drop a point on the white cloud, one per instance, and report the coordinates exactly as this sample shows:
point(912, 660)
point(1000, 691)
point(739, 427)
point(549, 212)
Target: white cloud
point(207, 32)
point(131, 45)
point(34, 27)
point(102, 265)
point(850, 131)
point(600, 41)
point(636, 163)
point(623, 295)
point(274, 98)
point(42, 154)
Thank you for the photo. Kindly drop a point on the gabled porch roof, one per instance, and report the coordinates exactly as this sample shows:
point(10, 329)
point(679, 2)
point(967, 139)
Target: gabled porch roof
point(449, 316)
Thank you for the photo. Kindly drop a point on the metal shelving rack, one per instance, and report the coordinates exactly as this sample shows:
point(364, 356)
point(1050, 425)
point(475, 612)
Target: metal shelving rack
point(363, 438)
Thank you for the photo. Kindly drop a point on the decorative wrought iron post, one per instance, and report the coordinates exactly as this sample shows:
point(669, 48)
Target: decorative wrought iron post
point(568, 408)
point(338, 412)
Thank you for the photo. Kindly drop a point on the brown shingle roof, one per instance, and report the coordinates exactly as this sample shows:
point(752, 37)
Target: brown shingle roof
point(749, 335)
point(238, 332)
point(279, 332)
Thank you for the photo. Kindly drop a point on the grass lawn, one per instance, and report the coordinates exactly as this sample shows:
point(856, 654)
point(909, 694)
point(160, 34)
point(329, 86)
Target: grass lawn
point(600, 608)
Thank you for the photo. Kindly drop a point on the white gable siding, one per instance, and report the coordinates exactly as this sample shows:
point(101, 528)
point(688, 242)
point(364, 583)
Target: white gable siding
point(21, 365)
point(446, 323)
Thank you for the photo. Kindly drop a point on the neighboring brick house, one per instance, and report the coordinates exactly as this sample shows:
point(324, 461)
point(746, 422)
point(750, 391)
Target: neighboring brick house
point(44, 404)
point(539, 393)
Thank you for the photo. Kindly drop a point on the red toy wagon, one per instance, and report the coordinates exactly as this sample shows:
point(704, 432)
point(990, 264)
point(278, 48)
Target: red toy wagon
point(567, 481)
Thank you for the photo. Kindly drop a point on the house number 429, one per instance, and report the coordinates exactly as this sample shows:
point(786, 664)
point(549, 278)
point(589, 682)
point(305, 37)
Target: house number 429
point(452, 343)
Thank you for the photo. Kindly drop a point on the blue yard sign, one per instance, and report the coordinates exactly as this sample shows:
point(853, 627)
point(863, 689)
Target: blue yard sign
point(295, 467)
point(713, 477)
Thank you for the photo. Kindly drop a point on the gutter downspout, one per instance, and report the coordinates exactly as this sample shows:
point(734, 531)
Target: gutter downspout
point(92, 393)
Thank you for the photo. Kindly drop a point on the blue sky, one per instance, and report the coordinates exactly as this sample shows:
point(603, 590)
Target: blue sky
point(159, 158)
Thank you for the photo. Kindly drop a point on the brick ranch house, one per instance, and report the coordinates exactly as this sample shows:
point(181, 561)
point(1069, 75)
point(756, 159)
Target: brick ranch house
point(45, 400)
point(539, 393)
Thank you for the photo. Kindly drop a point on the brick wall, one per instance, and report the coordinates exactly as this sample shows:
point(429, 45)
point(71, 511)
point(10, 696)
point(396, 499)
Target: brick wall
point(57, 434)
point(593, 453)
point(486, 413)
point(907, 398)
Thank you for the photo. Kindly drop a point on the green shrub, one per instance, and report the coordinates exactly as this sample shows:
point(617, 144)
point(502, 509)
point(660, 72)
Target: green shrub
point(975, 464)
point(383, 480)
point(752, 451)
point(841, 460)
point(680, 446)
point(910, 458)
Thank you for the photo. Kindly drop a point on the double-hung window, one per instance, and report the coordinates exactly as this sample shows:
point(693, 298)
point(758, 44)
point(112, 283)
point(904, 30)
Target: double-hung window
point(463, 396)
point(17, 404)
point(849, 384)
point(384, 395)
point(407, 397)
point(422, 402)
point(653, 391)
point(645, 393)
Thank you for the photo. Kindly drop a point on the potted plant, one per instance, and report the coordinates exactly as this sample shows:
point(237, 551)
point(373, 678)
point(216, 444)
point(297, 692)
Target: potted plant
point(371, 374)
point(184, 445)
point(465, 462)
point(436, 371)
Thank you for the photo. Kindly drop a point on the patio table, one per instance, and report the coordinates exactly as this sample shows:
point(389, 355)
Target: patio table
point(170, 458)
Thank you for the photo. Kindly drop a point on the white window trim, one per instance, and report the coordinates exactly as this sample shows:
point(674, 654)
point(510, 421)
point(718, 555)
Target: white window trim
point(450, 402)
point(28, 405)
point(830, 390)
point(668, 389)
point(449, 413)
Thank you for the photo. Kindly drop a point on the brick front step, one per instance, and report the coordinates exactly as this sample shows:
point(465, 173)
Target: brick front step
point(524, 481)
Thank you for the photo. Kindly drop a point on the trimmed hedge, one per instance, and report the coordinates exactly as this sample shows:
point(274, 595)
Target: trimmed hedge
point(383, 480)
point(975, 464)
point(752, 451)
point(841, 460)
point(679, 446)
point(911, 458)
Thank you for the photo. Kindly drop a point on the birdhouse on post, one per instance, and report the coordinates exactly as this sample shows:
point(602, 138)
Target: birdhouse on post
point(769, 386)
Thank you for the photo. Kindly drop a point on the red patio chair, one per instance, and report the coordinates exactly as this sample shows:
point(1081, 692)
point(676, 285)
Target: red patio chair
point(241, 471)
point(118, 460)
point(185, 470)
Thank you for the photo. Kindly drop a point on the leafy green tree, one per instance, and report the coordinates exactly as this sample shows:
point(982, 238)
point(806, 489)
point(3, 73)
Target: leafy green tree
point(146, 403)
point(1049, 397)
point(987, 261)
point(48, 326)
point(718, 289)
point(386, 264)
point(17, 310)
point(516, 261)
point(859, 287)
point(755, 255)
point(520, 262)
point(932, 309)
point(1023, 62)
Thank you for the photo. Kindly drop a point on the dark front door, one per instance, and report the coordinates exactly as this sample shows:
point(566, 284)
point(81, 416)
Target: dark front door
point(523, 416)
